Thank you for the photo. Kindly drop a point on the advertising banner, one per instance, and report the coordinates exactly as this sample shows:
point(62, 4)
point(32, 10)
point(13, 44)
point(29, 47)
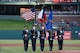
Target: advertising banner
point(66, 36)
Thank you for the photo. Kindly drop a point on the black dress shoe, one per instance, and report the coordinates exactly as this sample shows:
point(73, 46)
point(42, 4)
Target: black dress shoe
point(25, 50)
point(50, 49)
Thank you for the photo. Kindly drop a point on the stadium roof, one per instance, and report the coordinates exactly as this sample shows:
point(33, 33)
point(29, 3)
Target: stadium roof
point(33, 3)
point(23, 3)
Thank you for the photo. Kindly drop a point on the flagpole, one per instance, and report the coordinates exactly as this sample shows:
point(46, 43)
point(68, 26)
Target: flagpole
point(35, 23)
point(52, 15)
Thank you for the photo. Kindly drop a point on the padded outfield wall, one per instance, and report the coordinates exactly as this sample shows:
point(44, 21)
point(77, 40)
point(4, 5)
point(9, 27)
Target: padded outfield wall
point(75, 32)
point(17, 34)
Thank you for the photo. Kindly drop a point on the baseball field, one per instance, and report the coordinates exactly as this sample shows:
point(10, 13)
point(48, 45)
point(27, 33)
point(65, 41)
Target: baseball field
point(16, 46)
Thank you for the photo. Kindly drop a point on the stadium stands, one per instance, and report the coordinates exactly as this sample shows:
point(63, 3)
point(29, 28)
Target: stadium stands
point(61, 10)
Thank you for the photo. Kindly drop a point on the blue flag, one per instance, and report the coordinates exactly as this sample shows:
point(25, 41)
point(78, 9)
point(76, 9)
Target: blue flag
point(50, 16)
point(33, 9)
point(49, 23)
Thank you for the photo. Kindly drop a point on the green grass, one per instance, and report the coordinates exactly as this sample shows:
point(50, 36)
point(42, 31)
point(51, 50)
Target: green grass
point(6, 41)
point(14, 24)
point(20, 49)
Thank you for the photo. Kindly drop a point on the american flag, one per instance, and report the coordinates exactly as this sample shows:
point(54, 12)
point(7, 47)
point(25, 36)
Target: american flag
point(29, 14)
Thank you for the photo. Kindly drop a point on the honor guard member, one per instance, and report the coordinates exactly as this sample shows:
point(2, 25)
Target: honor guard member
point(33, 37)
point(60, 34)
point(25, 35)
point(50, 39)
point(42, 37)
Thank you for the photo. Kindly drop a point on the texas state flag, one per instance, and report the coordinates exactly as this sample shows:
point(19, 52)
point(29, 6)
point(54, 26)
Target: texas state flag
point(42, 16)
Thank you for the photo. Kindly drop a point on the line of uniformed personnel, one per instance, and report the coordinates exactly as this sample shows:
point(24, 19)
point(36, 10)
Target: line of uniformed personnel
point(32, 34)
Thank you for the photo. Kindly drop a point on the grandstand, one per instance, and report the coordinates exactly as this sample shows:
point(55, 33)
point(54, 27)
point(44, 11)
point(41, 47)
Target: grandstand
point(62, 10)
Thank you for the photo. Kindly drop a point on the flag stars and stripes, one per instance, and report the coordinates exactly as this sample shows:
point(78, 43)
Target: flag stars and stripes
point(28, 15)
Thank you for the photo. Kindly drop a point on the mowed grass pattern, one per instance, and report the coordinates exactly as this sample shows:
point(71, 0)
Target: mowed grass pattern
point(15, 24)
point(20, 49)
point(13, 41)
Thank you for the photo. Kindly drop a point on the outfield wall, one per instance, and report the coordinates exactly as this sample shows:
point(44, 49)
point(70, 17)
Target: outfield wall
point(17, 34)
point(10, 34)
point(75, 32)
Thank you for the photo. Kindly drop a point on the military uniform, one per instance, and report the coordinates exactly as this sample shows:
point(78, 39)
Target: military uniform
point(50, 39)
point(33, 38)
point(42, 38)
point(25, 39)
point(60, 34)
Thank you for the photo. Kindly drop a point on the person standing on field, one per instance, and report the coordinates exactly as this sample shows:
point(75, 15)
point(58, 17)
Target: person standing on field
point(33, 37)
point(42, 37)
point(25, 35)
point(60, 34)
point(50, 39)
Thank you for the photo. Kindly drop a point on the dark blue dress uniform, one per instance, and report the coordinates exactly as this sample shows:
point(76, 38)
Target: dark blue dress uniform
point(60, 34)
point(50, 39)
point(33, 38)
point(42, 38)
point(25, 39)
